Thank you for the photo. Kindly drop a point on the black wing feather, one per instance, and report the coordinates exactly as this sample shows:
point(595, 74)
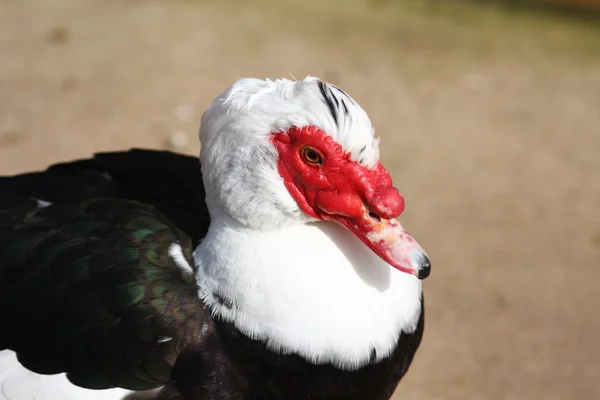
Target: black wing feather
point(87, 285)
point(169, 181)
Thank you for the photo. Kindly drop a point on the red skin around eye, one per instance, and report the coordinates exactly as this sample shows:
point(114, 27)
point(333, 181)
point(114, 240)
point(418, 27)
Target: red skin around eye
point(338, 185)
point(344, 192)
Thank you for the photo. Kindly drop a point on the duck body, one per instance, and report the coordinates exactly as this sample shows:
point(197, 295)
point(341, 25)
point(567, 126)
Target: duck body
point(249, 371)
point(136, 274)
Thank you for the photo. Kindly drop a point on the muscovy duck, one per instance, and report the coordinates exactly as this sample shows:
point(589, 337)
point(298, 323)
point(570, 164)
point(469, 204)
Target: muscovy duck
point(276, 269)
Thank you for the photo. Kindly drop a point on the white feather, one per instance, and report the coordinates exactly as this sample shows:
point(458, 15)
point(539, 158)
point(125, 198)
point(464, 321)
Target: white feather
point(305, 287)
point(239, 160)
point(313, 289)
point(176, 254)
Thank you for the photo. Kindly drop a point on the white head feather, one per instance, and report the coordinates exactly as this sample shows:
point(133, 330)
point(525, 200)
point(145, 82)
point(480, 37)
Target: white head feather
point(307, 288)
point(239, 161)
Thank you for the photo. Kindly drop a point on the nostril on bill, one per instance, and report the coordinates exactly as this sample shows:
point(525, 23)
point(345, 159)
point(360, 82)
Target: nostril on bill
point(421, 263)
point(374, 217)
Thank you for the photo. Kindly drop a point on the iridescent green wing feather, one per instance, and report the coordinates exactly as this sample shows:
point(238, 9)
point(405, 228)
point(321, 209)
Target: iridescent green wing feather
point(90, 289)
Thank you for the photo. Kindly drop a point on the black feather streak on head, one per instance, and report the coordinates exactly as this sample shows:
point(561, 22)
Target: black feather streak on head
point(345, 108)
point(346, 111)
point(327, 98)
point(344, 93)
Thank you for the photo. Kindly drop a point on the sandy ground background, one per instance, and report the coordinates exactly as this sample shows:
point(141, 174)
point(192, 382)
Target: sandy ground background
point(489, 122)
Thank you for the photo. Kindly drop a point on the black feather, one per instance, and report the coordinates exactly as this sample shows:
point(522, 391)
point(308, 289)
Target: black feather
point(86, 284)
point(328, 100)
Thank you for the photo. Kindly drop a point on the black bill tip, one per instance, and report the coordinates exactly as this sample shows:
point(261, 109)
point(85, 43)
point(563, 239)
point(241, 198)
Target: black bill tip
point(421, 263)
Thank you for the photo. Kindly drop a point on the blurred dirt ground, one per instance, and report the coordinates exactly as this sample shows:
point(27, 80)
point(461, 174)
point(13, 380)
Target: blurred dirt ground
point(490, 126)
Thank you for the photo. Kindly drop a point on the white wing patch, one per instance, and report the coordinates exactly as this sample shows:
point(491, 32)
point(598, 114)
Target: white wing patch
point(18, 383)
point(176, 254)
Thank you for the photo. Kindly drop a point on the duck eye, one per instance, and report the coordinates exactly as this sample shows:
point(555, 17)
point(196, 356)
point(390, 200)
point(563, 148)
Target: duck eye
point(311, 156)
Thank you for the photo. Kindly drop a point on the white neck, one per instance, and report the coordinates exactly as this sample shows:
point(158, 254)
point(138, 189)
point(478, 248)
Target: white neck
point(312, 290)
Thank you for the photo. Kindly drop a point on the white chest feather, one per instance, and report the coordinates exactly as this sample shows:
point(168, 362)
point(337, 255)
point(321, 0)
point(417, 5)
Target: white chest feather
point(18, 383)
point(314, 290)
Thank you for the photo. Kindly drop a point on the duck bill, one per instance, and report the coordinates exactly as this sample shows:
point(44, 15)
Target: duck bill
point(388, 239)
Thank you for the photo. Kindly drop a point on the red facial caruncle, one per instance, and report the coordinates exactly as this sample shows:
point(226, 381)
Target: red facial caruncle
point(327, 185)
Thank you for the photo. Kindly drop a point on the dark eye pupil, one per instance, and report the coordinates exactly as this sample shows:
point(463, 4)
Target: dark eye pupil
point(312, 156)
